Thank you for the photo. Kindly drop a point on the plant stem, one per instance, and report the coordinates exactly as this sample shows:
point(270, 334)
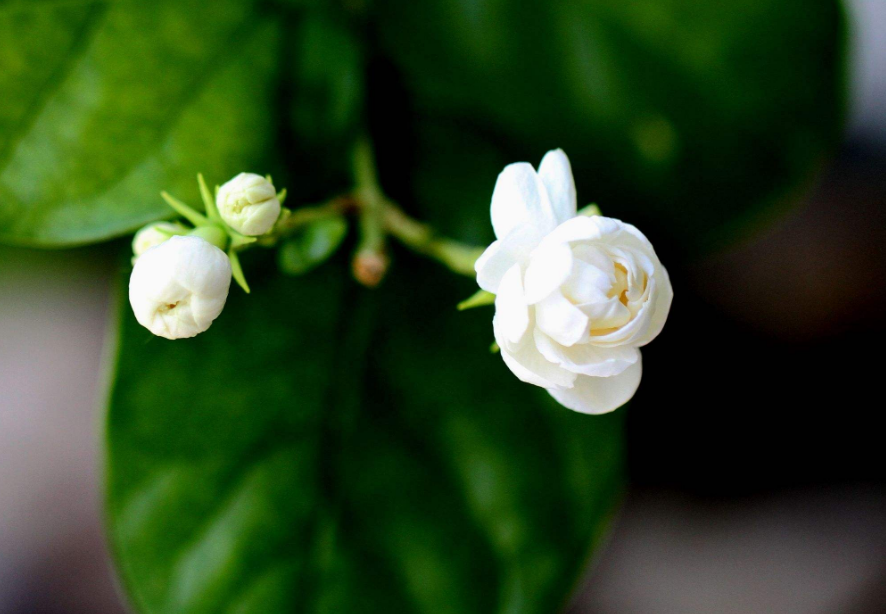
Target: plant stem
point(377, 217)
point(306, 215)
point(369, 195)
point(458, 257)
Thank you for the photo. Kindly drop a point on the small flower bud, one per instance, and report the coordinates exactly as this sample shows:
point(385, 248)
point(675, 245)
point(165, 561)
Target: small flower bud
point(154, 234)
point(248, 203)
point(179, 288)
point(369, 268)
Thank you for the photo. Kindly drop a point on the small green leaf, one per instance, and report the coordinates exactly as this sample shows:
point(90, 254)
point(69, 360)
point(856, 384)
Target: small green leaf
point(312, 246)
point(237, 270)
point(590, 210)
point(190, 214)
point(208, 200)
point(478, 299)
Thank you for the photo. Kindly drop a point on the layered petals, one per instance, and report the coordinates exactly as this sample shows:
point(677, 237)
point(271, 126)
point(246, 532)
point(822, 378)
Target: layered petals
point(178, 288)
point(576, 295)
point(510, 306)
point(599, 395)
point(586, 359)
point(502, 254)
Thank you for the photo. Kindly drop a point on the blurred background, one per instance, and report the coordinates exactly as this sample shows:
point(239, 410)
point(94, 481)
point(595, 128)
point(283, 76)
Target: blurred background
point(756, 460)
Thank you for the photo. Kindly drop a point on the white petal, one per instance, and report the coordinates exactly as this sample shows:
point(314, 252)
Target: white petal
point(556, 173)
point(587, 359)
point(639, 236)
point(492, 265)
point(596, 228)
point(548, 269)
point(501, 255)
point(520, 199)
point(248, 203)
point(606, 314)
point(589, 283)
point(179, 287)
point(511, 310)
point(599, 395)
point(660, 306)
point(561, 320)
point(530, 366)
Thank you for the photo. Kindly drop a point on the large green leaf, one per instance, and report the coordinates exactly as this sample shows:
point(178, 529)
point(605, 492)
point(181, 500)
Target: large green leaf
point(106, 103)
point(326, 449)
point(323, 449)
point(693, 119)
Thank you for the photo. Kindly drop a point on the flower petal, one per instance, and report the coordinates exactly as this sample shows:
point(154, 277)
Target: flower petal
point(606, 314)
point(582, 228)
point(548, 269)
point(511, 310)
point(501, 255)
point(530, 366)
point(599, 395)
point(561, 320)
point(660, 306)
point(492, 265)
point(589, 283)
point(556, 173)
point(587, 359)
point(520, 199)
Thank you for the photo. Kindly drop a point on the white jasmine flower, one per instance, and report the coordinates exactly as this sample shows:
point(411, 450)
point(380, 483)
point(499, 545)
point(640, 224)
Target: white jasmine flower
point(154, 234)
point(248, 203)
point(576, 296)
point(179, 287)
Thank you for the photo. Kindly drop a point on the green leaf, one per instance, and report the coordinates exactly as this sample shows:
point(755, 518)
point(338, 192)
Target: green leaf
point(312, 246)
point(693, 119)
point(323, 449)
point(106, 103)
point(480, 298)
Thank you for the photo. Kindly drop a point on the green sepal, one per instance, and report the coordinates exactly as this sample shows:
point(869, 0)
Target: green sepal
point(239, 240)
point(208, 200)
point(195, 218)
point(480, 298)
point(590, 210)
point(237, 270)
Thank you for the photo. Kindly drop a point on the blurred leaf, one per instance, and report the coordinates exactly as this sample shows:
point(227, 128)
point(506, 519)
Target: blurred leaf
point(693, 119)
point(106, 103)
point(326, 107)
point(322, 449)
point(312, 246)
point(328, 449)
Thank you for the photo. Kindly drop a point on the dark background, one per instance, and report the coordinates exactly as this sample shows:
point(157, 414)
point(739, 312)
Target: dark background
point(755, 442)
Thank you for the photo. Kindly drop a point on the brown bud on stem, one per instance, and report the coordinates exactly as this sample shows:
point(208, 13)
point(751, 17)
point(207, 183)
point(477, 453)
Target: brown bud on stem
point(369, 267)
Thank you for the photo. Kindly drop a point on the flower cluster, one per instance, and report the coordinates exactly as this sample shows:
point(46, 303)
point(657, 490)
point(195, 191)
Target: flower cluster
point(181, 275)
point(576, 295)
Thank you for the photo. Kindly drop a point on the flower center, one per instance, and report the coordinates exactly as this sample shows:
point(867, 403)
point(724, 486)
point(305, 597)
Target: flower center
point(620, 287)
point(168, 307)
